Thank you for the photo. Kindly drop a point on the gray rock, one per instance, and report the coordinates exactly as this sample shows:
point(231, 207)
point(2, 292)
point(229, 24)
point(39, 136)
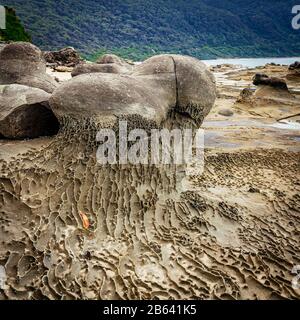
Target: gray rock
point(111, 59)
point(23, 63)
point(108, 63)
point(3, 44)
point(226, 112)
point(95, 68)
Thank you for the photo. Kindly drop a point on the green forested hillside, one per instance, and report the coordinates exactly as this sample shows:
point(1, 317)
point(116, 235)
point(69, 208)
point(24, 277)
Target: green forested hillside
point(139, 28)
point(14, 28)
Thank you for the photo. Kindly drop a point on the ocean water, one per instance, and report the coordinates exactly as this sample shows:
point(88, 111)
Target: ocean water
point(252, 62)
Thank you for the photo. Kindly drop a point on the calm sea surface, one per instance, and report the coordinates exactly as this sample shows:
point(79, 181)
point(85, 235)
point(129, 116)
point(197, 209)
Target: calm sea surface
point(252, 62)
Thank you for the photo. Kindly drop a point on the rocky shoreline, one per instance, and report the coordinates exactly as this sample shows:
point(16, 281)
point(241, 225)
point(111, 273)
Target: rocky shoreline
point(71, 229)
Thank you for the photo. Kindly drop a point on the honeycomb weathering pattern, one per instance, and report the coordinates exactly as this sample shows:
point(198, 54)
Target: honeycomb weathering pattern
point(149, 235)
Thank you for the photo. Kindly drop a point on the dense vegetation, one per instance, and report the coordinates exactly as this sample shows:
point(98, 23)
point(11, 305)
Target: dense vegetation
point(138, 28)
point(14, 29)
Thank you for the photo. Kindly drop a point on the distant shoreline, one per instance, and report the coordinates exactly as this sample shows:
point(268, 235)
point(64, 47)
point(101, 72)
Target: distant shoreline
point(237, 58)
point(251, 62)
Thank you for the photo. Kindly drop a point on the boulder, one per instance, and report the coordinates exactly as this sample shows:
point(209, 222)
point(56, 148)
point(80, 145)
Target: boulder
point(108, 63)
point(25, 112)
point(196, 91)
point(95, 67)
point(111, 59)
point(158, 86)
point(270, 90)
point(96, 95)
point(67, 57)
point(23, 63)
point(225, 112)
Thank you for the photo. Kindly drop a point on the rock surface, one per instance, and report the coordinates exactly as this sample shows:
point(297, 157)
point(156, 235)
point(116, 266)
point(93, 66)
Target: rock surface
point(23, 63)
point(25, 112)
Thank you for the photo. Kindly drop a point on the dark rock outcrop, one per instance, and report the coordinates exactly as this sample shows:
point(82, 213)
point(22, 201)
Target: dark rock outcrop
point(294, 72)
point(67, 57)
point(263, 79)
point(295, 66)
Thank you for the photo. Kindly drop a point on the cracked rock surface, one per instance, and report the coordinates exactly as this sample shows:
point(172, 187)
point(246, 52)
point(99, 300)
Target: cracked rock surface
point(152, 90)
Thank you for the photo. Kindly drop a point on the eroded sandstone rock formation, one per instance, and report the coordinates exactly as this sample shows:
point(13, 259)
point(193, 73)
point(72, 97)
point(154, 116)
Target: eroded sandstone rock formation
point(264, 80)
point(71, 228)
point(270, 90)
point(152, 90)
point(23, 63)
point(270, 87)
point(74, 218)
